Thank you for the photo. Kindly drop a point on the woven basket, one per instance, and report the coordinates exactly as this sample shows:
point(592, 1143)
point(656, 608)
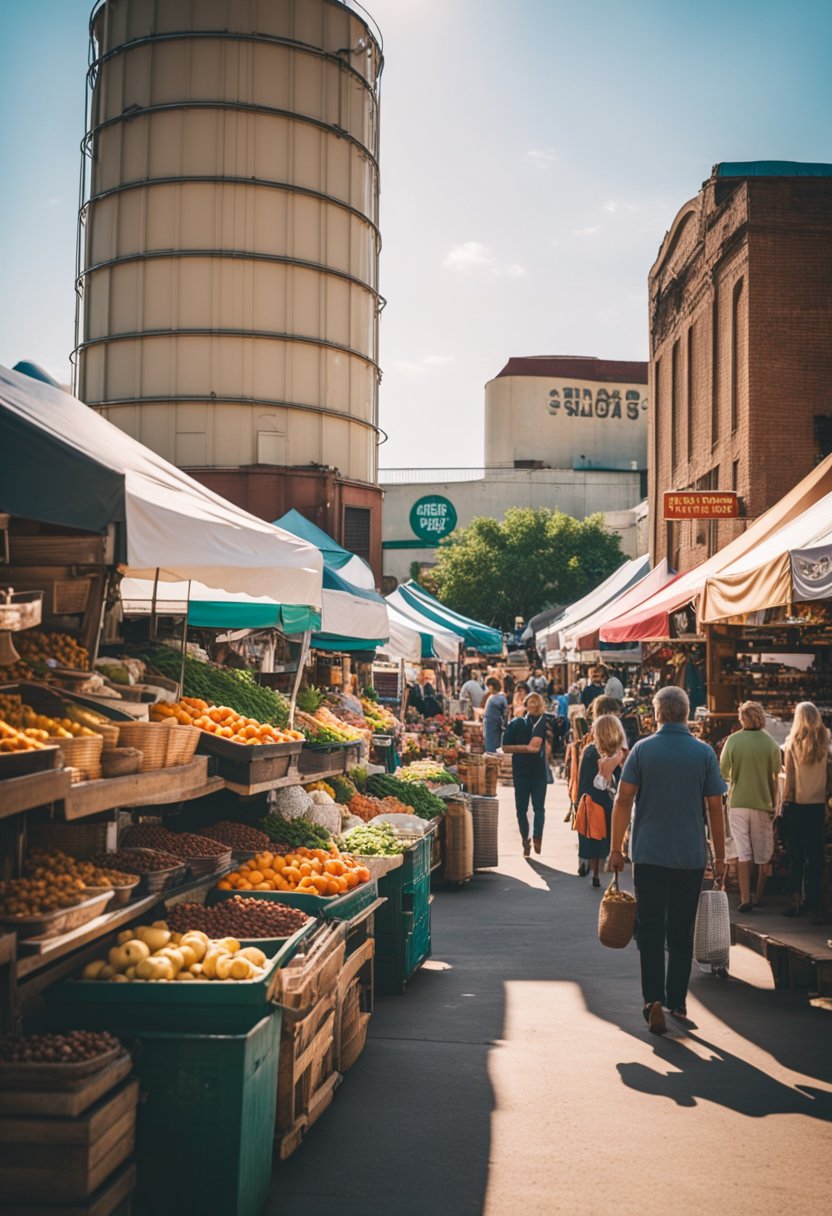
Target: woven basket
point(485, 817)
point(162, 746)
point(84, 754)
point(616, 917)
point(459, 842)
point(712, 934)
point(182, 743)
point(108, 732)
point(121, 761)
point(76, 839)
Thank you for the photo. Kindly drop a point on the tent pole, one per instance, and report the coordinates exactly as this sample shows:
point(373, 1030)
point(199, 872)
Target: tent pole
point(403, 688)
point(304, 651)
point(100, 630)
point(153, 606)
point(184, 642)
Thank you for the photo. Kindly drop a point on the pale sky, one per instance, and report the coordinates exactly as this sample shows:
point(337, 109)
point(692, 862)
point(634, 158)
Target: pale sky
point(533, 154)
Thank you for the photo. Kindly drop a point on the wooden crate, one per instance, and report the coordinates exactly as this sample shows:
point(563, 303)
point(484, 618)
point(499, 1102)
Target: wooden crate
point(307, 1077)
point(67, 1103)
point(312, 975)
point(111, 1199)
point(354, 1005)
point(67, 1159)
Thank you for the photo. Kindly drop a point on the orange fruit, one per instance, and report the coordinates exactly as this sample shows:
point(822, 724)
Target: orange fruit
point(332, 887)
point(255, 877)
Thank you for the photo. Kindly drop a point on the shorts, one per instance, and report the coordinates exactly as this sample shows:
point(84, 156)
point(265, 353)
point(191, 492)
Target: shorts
point(753, 833)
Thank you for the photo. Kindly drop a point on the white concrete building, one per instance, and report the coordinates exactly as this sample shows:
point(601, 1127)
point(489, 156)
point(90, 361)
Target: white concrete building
point(567, 433)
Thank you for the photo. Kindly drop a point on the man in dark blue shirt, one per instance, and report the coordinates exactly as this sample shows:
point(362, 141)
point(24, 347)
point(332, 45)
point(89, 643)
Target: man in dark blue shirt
point(524, 740)
point(672, 777)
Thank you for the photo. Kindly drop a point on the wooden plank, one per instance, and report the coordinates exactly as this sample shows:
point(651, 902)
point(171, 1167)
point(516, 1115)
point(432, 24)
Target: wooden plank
point(153, 788)
point(86, 1129)
point(34, 789)
point(69, 1102)
point(105, 1202)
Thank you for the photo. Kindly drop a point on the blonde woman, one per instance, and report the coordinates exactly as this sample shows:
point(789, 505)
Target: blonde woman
point(600, 769)
point(804, 809)
point(750, 763)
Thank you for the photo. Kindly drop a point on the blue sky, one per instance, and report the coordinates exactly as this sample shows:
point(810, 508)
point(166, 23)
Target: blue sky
point(533, 155)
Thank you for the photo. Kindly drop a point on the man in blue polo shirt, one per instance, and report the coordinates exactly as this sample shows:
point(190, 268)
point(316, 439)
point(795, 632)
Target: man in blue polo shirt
point(525, 741)
point(672, 777)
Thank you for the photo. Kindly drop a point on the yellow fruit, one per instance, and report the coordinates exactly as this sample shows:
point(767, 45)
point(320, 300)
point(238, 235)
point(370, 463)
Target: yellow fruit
point(93, 970)
point(240, 969)
point(254, 956)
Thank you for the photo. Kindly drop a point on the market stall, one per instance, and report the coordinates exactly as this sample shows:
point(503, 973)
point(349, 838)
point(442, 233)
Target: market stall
point(551, 640)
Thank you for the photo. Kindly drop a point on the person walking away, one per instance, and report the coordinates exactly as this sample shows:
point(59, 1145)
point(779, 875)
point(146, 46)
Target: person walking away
point(804, 808)
point(614, 688)
point(473, 691)
point(494, 715)
point(672, 777)
point(750, 763)
point(595, 687)
point(524, 740)
point(600, 772)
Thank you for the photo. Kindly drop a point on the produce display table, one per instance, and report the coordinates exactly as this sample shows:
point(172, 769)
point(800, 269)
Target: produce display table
point(154, 788)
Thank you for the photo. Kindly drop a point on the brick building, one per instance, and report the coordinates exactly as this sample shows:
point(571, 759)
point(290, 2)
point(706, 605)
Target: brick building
point(741, 346)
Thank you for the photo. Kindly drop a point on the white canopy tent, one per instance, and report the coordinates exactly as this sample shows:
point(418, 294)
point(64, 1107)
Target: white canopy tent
point(551, 641)
point(62, 463)
point(409, 632)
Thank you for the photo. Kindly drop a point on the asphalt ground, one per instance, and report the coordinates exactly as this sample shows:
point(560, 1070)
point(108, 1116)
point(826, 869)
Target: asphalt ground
point(516, 1075)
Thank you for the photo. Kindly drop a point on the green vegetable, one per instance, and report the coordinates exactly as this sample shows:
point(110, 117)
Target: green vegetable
point(358, 776)
point(374, 840)
point(418, 797)
point(342, 788)
point(222, 686)
point(296, 832)
point(370, 693)
point(309, 699)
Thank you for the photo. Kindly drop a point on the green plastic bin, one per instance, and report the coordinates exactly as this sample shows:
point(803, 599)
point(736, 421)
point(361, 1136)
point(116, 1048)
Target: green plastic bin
point(329, 907)
point(209, 1008)
point(205, 1130)
point(402, 923)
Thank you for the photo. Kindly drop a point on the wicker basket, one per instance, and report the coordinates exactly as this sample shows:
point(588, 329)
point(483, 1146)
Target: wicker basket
point(81, 840)
point(84, 754)
point(108, 732)
point(616, 917)
point(162, 746)
point(459, 842)
point(121, 761)
point(182, 743)
point(485, 813)
point(479, 774)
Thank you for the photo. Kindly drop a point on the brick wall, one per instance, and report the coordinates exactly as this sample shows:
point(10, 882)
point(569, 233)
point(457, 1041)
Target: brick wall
point(741, 350)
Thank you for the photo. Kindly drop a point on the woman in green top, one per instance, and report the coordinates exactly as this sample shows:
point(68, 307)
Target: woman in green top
point(750, 763)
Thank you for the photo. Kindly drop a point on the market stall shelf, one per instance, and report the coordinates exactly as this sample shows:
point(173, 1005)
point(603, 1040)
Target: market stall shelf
point(155, 788)
point(32, 790)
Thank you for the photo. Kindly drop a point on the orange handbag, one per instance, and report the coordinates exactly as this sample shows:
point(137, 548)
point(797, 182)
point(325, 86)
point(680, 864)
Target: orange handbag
point(590, 819)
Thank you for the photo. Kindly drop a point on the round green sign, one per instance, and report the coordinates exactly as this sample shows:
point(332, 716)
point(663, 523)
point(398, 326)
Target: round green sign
point(432, 517)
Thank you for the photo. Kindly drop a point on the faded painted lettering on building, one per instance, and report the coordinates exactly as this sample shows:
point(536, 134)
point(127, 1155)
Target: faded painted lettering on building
point(602, 403)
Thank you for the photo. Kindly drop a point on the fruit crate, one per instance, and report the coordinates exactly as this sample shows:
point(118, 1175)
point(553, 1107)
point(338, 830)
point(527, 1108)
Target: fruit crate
point(206, 1123)
point(250, 766)
point(329, 907)
point(307, 1077)
point(215, 1006)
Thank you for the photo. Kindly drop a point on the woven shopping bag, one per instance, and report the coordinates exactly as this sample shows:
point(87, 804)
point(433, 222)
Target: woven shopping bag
point(616, 916)
point(712, 933)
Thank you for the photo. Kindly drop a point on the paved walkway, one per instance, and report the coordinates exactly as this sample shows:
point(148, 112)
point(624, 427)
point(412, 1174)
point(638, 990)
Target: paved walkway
point(516, 1075)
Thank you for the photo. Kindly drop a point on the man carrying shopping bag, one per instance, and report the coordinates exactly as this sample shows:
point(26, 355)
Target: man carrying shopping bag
point(671, 776)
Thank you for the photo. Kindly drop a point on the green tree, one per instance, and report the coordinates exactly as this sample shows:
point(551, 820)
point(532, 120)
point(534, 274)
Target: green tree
point(495, 571)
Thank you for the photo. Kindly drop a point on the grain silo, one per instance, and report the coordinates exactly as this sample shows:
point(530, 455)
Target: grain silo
point(229, 244)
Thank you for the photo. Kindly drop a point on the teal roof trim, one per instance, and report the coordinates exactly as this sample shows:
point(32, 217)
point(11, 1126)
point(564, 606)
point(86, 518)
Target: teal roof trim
point(772, 168)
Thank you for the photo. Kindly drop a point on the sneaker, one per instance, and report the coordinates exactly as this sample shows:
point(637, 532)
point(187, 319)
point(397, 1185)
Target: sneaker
point(654, 1017)
point(583, 870)
point(538, 844)
point(596, 881)
point(527, 847)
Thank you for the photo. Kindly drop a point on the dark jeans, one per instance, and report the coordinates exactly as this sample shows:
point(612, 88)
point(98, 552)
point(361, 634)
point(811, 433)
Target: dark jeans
point(524, 789)
point(802, 826)
point(666, 911)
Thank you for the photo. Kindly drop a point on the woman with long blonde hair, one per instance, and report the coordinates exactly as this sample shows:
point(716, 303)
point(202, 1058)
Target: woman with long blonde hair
point(804, 809)
point(600, 769)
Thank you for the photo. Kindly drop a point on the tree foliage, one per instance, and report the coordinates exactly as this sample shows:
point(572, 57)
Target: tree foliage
point(495, 571)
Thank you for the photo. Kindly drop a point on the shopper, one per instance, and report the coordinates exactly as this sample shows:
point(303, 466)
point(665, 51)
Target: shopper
point(473, 691)
point(518, 700)
point(525, 741)
point(672, 777)
point(750, 763)
point(595, 687)
point(494, 715)
point(600, 772)
point(804, 807)
point(614, 688)
point(538, 682)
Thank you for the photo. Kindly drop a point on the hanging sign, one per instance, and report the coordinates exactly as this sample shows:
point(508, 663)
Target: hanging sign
point(701, 504)
point(433, 517)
